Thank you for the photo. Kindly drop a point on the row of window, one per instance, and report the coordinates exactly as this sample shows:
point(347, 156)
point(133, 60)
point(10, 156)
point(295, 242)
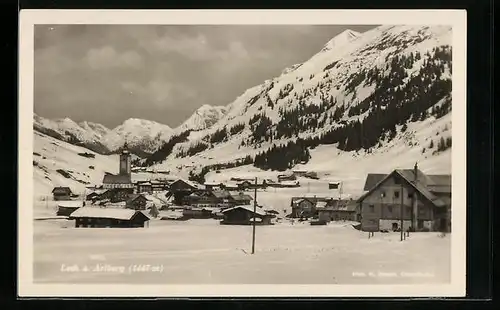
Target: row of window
point(396, 195)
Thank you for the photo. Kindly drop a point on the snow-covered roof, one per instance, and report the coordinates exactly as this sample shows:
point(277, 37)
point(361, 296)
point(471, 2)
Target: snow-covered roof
point(70, 204)
point(258, 211)
point(110, 213)
point(289, 182)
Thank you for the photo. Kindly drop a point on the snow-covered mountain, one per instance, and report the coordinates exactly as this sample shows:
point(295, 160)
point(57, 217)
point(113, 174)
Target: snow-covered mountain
point(85, 134)
point(204, 117)
point(142, 136)
point(139, 134)
point(363, 93)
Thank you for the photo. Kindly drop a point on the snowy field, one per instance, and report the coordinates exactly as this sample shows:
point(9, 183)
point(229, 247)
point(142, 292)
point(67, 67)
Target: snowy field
point(204, 252)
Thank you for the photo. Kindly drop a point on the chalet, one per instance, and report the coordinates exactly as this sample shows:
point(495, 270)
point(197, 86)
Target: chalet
point(65, 208)
point(108, 217)
point(62, 193)
point(304, 207)
point(425, 199)
point(181, 185)
point(212, 185)
point(240, 199)
point(136, 202)
point(144, 187)
point(244, 215)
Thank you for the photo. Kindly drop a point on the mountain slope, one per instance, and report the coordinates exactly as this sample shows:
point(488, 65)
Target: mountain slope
point(204, 117)
point(360, 93)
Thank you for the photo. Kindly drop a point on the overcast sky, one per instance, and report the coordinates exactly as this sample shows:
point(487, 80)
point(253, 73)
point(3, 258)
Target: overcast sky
point(107, 73)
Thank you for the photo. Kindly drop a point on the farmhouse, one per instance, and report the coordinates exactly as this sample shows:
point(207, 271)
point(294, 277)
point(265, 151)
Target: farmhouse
point(108, 217)
point(244, 215)
point(62, 193)
point(426, 201)
point(65, 208)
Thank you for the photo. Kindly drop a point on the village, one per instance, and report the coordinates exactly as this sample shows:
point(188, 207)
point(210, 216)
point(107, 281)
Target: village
point(404, 200)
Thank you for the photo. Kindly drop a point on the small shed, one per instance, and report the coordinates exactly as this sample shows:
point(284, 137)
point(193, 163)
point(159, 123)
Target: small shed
point(62, 193)
point(65, 208)
point(109, 217)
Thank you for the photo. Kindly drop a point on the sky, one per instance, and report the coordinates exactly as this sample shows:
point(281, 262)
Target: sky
point(109, 73)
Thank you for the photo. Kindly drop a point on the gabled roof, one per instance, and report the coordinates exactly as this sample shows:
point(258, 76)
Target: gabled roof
point(258, 211)
point(70, 204)
point(116, 179)
point(189, 183)
point(424, 184)
point(110, 213)
point(61, 189)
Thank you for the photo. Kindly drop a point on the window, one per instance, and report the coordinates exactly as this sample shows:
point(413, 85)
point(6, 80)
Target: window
point(408, 209)
point(397, 181)
point(389, 209)
point(382, 194)
point(396, 194)
point(410, 195)
point(371, 208)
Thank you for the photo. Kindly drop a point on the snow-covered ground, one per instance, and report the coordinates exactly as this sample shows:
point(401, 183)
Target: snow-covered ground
point(204, 252)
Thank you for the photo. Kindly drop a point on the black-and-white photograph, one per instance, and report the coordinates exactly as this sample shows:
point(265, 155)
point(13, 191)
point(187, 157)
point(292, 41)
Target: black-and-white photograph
point(297, 154)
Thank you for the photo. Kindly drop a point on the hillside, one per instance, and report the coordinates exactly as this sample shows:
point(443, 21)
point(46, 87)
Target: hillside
point(373, 96)
point(57, 163)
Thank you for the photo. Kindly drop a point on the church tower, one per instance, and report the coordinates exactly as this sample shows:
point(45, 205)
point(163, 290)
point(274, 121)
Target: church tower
point(125, 159)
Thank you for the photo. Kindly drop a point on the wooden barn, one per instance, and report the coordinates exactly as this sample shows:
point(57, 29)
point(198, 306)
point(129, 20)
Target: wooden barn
point(244, 215)
point(136, 202)
point(62, 193)
point(109, 217)
point(426, 201)
point(65, 208)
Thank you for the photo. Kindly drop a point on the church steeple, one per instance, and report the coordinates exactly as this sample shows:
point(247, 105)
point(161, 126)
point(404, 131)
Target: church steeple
point(125, 160)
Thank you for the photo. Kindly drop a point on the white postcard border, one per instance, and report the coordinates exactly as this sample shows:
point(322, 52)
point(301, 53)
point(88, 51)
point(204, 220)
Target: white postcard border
point(28, 18)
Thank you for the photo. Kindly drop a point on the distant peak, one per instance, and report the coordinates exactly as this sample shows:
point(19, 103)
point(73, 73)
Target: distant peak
point(342, 38)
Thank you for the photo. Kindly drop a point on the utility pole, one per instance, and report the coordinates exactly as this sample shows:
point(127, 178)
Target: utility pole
point(254, 213)
point(401, 211)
